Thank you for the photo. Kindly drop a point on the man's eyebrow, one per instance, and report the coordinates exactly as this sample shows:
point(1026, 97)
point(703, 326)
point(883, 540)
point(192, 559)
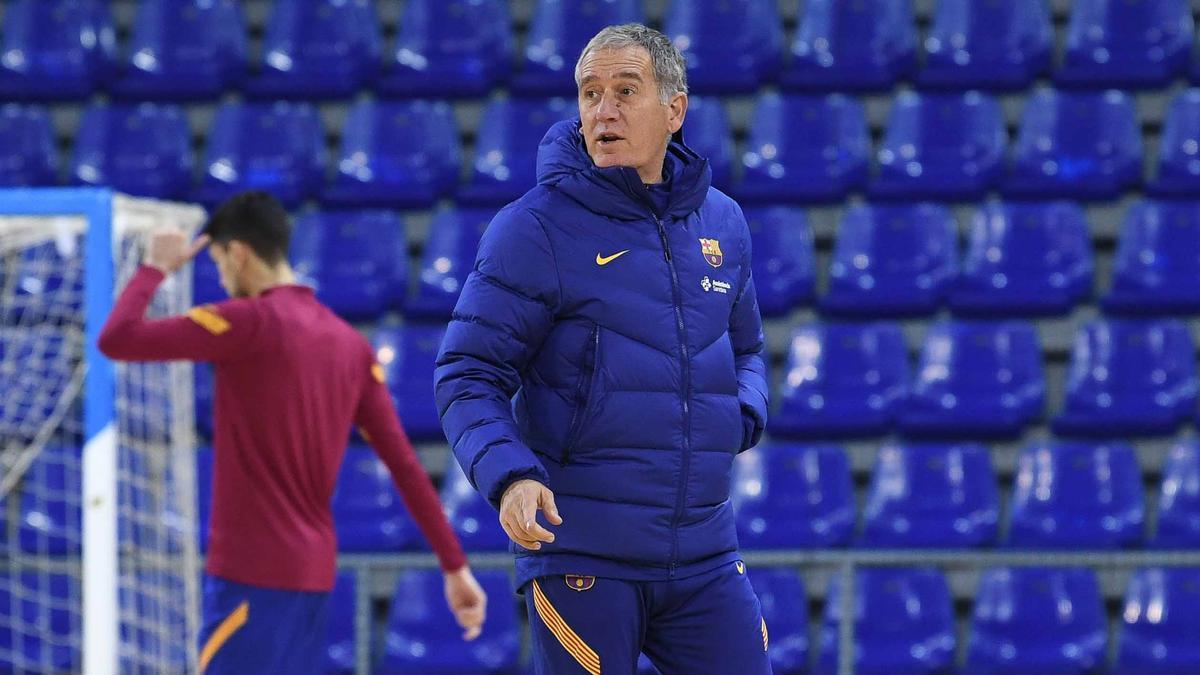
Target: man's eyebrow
point(623, 75)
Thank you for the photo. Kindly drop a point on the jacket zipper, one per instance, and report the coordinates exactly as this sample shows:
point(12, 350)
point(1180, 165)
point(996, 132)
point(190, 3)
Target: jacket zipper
point(687, 386)
point(583, 394)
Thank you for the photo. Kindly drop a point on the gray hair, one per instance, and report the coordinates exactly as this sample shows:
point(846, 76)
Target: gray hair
point(670, 70)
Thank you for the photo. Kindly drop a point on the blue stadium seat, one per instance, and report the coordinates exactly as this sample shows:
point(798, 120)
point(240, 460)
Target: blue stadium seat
point(143, 150)
point(422, 636)
point(1129, 377)
point(399, 154)
point(804, 148)
point(1161, 612)
point(473, 519)
point(448, 49)
point(45, 607)
point(781, 596)
point(987, 45)
point(183, 50)
point(147, 647)
point(784, 261)
point(1154, 270)
point(367, 511)
point(1025, 258)
point(557, 35)
point(842, 380)
point(941, 146)
point(447, 258)
point(708, 133)
point(356, 260)
point(55, 49)
point(340, 655)
point(51, 518)
point(1179, 498)
point(840, 46)
point(1178, 170)
point(892, 260)
point(793, 496)
point(407, 355)
point(204, 477)
point(932, 495)
point(1119, 43)
point(730, 47)
point(202, 379)
point(30, 153)
point(1037, 620)
point(1077, 495)
point(903, 622)
point(317, 49)
point(206, 281)
point(504, 165)
point(976, 379)
point(1076, 145)
point(276, 147)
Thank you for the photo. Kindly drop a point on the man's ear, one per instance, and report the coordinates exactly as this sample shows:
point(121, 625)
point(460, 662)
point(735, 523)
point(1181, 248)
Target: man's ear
point(240, 253)
point(676, 111)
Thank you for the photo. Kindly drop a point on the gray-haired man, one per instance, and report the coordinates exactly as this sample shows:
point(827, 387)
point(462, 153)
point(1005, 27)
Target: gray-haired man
point(614, 300)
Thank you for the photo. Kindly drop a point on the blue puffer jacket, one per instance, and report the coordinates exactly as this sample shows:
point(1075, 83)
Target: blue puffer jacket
point(632, 343)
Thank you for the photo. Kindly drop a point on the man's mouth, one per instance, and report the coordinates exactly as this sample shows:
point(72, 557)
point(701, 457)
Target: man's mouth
point(607, 139)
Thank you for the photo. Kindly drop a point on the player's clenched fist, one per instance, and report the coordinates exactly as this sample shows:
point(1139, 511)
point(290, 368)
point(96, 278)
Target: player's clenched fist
point(518, 513)
point(169, 249)
point(467, 600)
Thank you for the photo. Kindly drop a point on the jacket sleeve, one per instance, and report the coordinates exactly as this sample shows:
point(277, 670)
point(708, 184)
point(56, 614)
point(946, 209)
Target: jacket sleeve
point(746, 335)
point(506, 308)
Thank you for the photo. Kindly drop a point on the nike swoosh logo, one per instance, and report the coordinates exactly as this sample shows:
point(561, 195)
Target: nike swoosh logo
point(601, 260)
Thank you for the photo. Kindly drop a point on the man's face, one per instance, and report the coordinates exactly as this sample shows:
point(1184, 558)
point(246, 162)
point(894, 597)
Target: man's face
point(227, 267)
point(624, 121)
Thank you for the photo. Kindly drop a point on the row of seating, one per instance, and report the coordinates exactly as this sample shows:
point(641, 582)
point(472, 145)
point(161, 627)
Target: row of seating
point(179, 49)
point(1022, 259)
point(1080, 145)
point(985, 379)
point(977, 379)
point(1068, 494)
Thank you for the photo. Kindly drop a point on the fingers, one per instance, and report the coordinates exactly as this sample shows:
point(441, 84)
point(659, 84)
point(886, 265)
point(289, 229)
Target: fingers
point(471, 621)
point(517, 534)
point(197, 246)
point(549, 507)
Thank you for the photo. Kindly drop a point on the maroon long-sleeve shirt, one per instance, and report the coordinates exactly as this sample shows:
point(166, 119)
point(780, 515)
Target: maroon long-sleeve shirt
point(290, 379)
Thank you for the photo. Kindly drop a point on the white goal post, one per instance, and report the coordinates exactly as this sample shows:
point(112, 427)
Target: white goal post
point(98, 535)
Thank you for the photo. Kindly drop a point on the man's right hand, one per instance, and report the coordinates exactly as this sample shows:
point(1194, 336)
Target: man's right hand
point(168, 248)
point(518, 513)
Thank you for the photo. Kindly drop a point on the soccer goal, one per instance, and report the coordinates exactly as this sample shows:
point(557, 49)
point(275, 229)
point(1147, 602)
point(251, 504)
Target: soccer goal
point(98, 535)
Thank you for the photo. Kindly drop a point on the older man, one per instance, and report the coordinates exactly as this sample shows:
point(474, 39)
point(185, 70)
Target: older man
point(614, 300)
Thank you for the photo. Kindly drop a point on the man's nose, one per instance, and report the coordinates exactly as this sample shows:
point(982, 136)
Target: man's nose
point(608, 107)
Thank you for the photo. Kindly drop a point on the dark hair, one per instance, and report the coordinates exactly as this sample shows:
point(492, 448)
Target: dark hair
point(256, 219)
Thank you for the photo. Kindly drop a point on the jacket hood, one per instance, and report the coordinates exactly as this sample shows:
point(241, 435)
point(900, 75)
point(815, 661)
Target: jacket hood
point(617, 192)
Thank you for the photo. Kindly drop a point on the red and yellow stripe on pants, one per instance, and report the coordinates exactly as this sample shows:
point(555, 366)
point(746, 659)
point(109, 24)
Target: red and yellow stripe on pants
point(569, 639)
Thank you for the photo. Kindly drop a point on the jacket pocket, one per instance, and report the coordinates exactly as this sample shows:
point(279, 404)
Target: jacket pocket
point(583, 392)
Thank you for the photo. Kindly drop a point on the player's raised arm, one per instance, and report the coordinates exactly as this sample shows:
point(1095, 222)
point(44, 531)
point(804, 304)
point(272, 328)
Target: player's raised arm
point(376, 418)
point(208, 333)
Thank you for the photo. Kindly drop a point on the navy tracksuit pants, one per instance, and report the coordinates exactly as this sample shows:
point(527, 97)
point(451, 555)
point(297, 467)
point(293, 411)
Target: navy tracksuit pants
point(709, 624)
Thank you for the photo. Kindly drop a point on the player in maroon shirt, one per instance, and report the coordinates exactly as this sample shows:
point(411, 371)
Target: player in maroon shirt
point(290, 379)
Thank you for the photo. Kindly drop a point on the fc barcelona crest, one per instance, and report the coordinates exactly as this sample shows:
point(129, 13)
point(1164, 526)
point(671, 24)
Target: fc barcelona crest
point(580, 583)
point(711, 248)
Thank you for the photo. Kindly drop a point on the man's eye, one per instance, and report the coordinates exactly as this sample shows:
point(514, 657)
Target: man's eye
point(627, 91)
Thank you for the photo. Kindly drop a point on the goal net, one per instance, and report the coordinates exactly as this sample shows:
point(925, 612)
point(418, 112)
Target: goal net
point(98, 536)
